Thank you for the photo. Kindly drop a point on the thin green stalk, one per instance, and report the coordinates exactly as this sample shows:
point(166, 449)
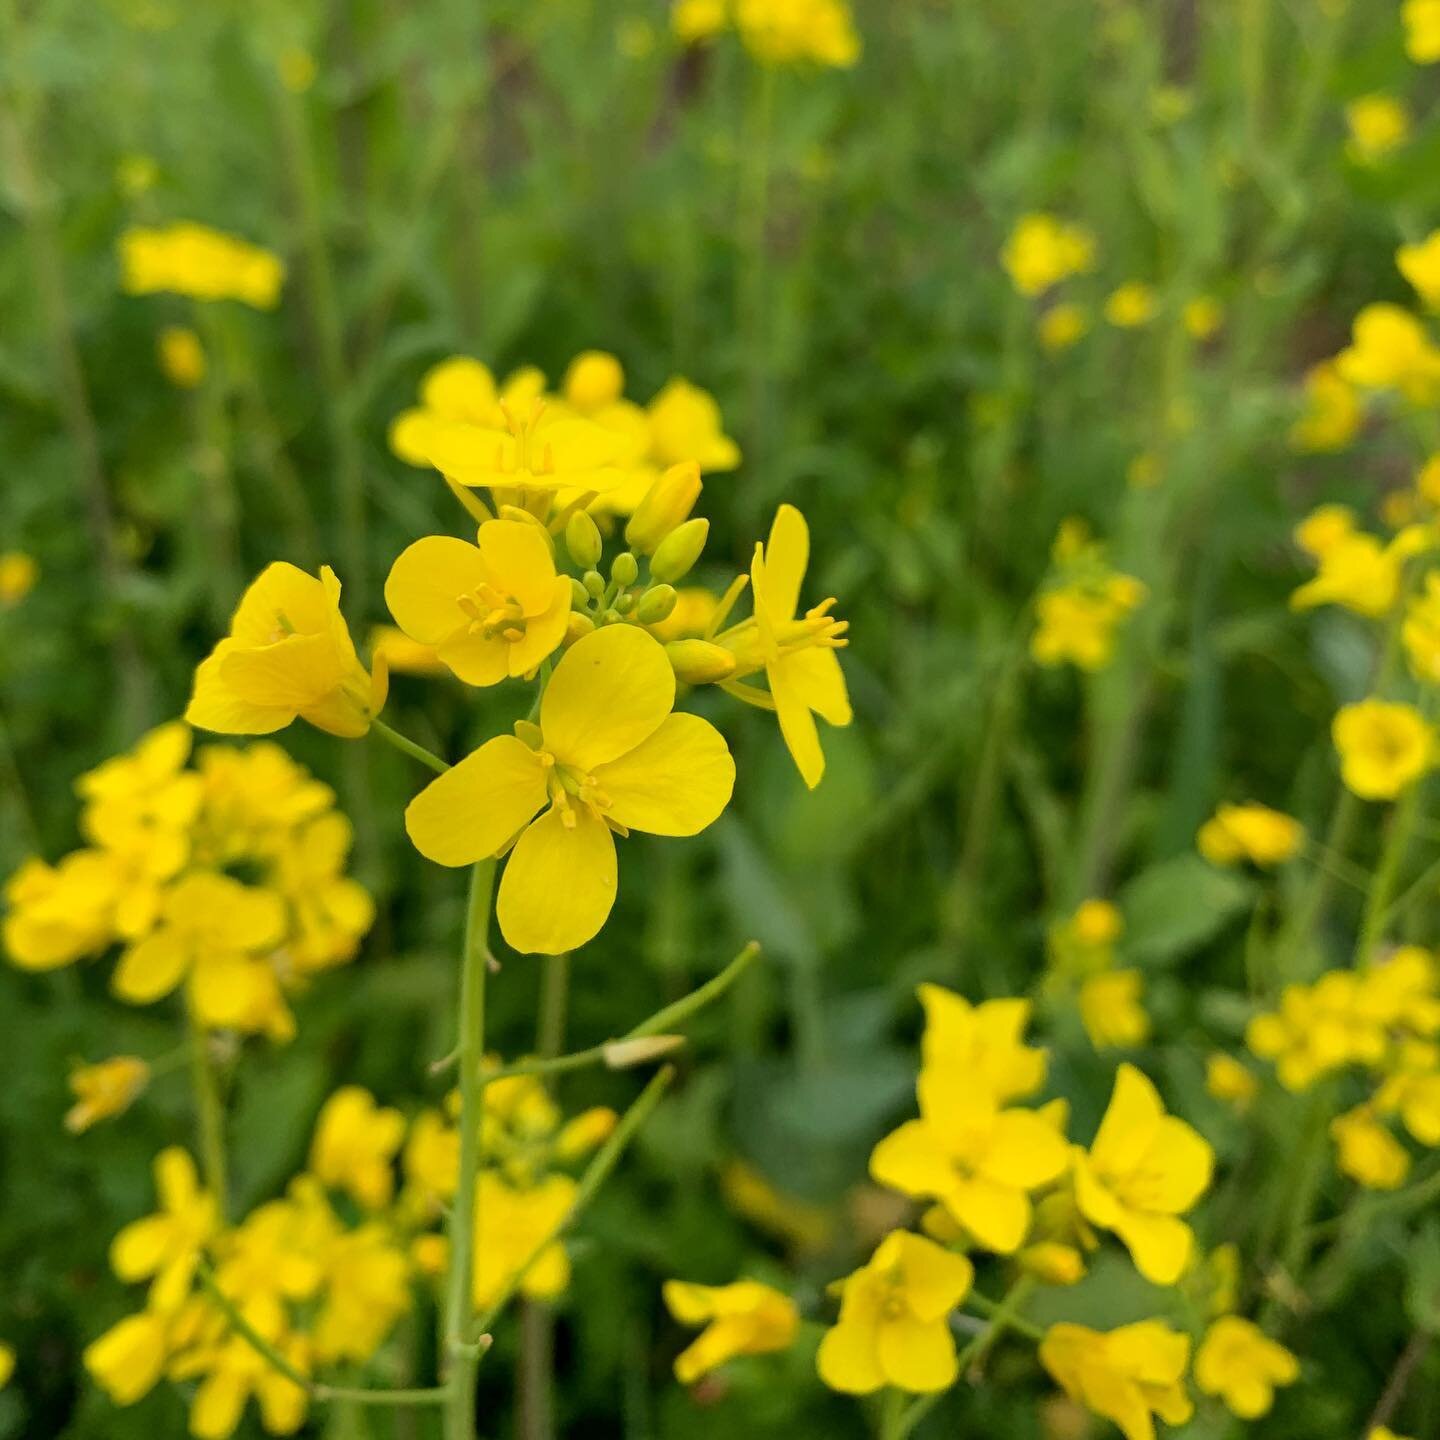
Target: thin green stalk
point(10, 769)
point(662, 1022)
point(407, 746)
point(892, 1414)
point(209, 1115)
point(1006, 1309)
point(460, 1356)
point(1398, 836)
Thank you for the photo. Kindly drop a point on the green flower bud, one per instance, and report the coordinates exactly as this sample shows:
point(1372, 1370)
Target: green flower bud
point(698, 662)
point(679, 550)
point(625, 604)
point(579, 595)
point(626, 569)
point(594, 583)
point(582, 540)
point(656, 604)
point(667, 503)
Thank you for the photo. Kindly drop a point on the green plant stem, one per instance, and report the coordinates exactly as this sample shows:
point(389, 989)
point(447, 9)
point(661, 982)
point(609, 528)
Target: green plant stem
point(892, 1414)
point(10, 769)
point(407, 746)
point(1007, 1310)
point(1398, 835)
point(210, 1116)
point(460, 1356)
point(217, 479)
point(662, 1022)
point(596, 1173)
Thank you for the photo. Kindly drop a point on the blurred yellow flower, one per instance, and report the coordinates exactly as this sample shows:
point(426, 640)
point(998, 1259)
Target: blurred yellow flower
point(18, 574)
point(167, 1244)
point(1063, 325)
point(1333, 412)
point(1384, 746)
point(607, 756)
point(1076, 624)
point(1125, 1375)
point(743, 1318)
point(1250, 832)
point(1227, 1079)
point(1144, 1170)
point(1359, 572)
point(1420, 632)
point(1043, 250)
point(1203, 316)
point(1112, 1008)
point(355, 1144)
point(289, 655)
point(695, 20)
point(104, 1090)
point(182, 357)
point(196, 261)
point(58, 914)
point(788, 32)
point(1420, 265)
point(984, 1043)
point(1241, 1364)
point(1367, 1152)
point(1390, 350)
point(1421, 19)
point(455, 391)
point(685, 424)
point(127, 1361)
point(1324, 528)
point(521, 1226)
point(1131, 305)
point(1378, 124)
point(391, 647)
point(894, 1325)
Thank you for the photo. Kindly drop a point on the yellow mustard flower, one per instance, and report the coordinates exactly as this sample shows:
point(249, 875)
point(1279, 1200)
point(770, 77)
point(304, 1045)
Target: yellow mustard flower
point(1127, 1375)
point(431, 1162)
point(1367, 1152)
point(894, 1326)
point(1241, 1364)
point(692, 21)
point(1112, 1008)
point(127, 1361)
point(1131, 305)
point(1333, 413)
point(1063, 325)
point(288, 655)
point(182, 356)
point(978, 1160)
point(18, 574)
point(521, 1223)
point(1043, 250)
point(1076, 625)
point(1420, 632)
point(607, 756)
point(355, 1144)
point(797, 653)
point(392, 647)
point(1324, 528)
point(1228, 1079)
point(1083, 943)
point(1419, 263)
point(329, 911)
point(1250, 832)
point(788, 32)
point(1390, 350)
point(196, 261)
point(1379, 125)
point(62, 913)
point(1384, 747)
point(490, 610)
point(685, 424)
point(105, 1090)
point(743, 1318)
point(1421, 19)
point(1202, 316)
point(1144, 1170)
point(167, 1244)
point(457, 391)
point(983, 1041)
point(593, 380)
point(1358, 572)
point(366, 1290)
point(1321, 1027)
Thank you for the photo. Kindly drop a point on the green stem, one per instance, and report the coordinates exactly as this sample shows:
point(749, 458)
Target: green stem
point(662, 1022)
point(213, 461)
point(10, 769)
point(892, 1414)
point(407, 746)
point(210, 1116)
point(1007, 1310)
point(1387, 872)
point(460, 1357)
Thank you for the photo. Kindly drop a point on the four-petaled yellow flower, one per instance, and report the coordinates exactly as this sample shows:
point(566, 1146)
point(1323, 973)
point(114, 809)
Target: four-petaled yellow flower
point(167, 1245)
point(981, 1041)
point(1384, 747)
point(1241, 1364)
point(743, 1318)
point(1127, 1375)
point(608, 756)
point(354, 1146)
point(894, 1326)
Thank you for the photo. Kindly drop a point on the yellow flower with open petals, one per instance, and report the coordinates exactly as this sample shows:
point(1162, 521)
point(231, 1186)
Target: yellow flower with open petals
point(459, 390)
point(1252, 832)
point(1390, 350)
point(894, 1326)
point(743, 1318)
point(1144, 1170)
point(1127, 1375)
point(984, 1041)
point(1043, 250)
point(1358, 572)
point(355, 1144)
point(685, 424)
point(167, 1245)
point(57, 914)
point(288, 655)
point(1112, 1008)
point(491, 610)
point(104, 1090)
point(1379, 124)
point(979, 1161)
point(1243, 1366)
point(1333, 413)
point(517, 1222)
point(1384, 747)
point(608, 756)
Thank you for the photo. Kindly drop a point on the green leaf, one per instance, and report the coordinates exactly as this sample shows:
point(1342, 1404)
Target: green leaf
point(1173, 908)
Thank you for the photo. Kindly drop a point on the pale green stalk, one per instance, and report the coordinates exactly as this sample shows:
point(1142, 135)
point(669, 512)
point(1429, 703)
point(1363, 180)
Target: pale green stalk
point(209, 1114)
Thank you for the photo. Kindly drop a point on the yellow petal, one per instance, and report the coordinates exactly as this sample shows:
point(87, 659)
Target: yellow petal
point(543, 632)
point(1024, 1151)
point(996, 1215)
point(786, 557)
point(176, 1182)
point(848, 1358)
point(674, 783)
point(425, 584)
point(610, 692)
point(298, 671)
point(1177, 1169)
point(718, 1343)
point(1160, 1245)
point(214, 705)
point(797, 724)
point(917, 1355)
point(150, 968)
point(475, 808)
point(215, 1411)
point(127, 1360)
point(913, 1160)
point(476, 659)
point(1130, 1122)
point(817, 679)
point(935, 1280)
point(281, 599)
point(460, 389)
point(559, 883)
point(689, 1303)
point(520, 563)
point(139, 1250)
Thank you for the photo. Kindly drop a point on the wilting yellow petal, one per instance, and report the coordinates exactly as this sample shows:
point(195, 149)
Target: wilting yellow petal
point(674, 783)
point(475, 808)
point(559, 883)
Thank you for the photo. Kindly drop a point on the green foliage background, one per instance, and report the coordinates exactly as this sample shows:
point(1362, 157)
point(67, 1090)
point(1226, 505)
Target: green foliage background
point(521, 181)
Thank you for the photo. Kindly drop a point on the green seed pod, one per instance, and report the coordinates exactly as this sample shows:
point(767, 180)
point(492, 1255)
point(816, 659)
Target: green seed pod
point(656, 604)
point(679, 551)
point(698, 662)
point(626, 569)
point(582, 540)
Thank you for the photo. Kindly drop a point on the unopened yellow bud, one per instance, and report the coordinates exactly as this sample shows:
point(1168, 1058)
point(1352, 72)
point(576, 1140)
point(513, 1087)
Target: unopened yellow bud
point(679, 550)
point(667, 503)
point(656, 604)
point(579, 595)
point(698, 662)
point(577, 627)
point(582, 540)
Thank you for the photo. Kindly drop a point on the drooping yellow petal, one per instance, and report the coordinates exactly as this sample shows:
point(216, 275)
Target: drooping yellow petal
point(674, 783)
point(797, 724)
point(475, 808)
point(127, 1360)
point(997, 1215)
point(610, 691)
point(1160, 1245)
point(848, 1358)
point(519, 562)
point(689, 1303)
point(476, 659)
point(299, 671)
point(425, 584)
point(559, 883)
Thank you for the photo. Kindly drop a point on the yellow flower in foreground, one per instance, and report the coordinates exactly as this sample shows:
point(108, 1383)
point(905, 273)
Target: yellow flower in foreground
point(1333, 412)
point(167, 1245)
point(983, 1042)
point(1379, 125)
point(1144, 1170)
point(1112, 1008)
point(355, 1144)
point(182, 357)
point(1421, 19)
point(205, 264)
point(1226, 1078)
point(1063, 325)
point(490, 610)
point(744, 1318)
point(1241, 1364)
point(1367, 1152)
point(288, 656)
point(1384, 747)
point(1256, 833)
point(979, 1161)
point(105, 1090)
point(1042, 250)
point(1390, 350)
point(1131, 305)
point(894, 1326)
point(127, 1361)
point(685, 424)
point(1126, 1375)
point(515, 1223)
point(18, 574)
point(608, 755)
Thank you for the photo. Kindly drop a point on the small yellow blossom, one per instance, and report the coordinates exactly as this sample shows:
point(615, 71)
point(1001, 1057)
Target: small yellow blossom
point(981, 1042)
point(743, 1318)
point(1333, 413)
point(1390, 350)
point(127, 1361)
point(1042, 250)
point(167, 1245)
point(1250, 832)
point(1126, 1375)
point(1420, 264)
point(1324, 528)
point(1063, 325)
point(355, 1144)
point(1367, 1152)
point(457, 391)
point(1227, 1079)
point(182, 357)
point(1144, 1170)
point(204, 264)
point(18, 574)
point(685, 424)
point(1132, 305)
point(1112, 1009)
point(1421, 19)
point(788, 32)
point(1359, 573)
point(1077, 623)
point(105, 1090)
point(1384, 746)
point(1202, 316)
point(894, 1324)
point(695, 20)
point(1241, 1364)
point(1379, 125)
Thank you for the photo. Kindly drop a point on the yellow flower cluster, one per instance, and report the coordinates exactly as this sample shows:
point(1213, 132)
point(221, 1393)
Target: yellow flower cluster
point(1083, 970)
point(201, 263)
point(1355, 570)
point(159, 878)
point(1042, 250)
point(775, 32)
point(1082, 604)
